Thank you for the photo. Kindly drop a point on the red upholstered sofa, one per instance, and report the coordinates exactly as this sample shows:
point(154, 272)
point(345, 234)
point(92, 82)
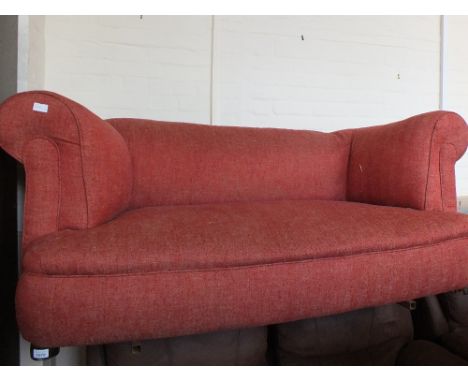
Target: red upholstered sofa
point(138, 229)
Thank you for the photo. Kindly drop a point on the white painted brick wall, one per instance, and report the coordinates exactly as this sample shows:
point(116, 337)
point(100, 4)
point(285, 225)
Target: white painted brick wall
point(150, 67)
point(456, 83)
point(324, 73)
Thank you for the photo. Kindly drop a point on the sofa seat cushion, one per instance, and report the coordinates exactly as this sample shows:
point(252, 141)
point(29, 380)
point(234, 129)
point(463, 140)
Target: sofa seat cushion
point(175, 271)
point(199, 237)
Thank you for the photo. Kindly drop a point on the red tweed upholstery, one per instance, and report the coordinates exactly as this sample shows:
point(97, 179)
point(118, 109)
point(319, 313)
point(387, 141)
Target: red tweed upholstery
point(81, 309)
point(408, 163)
point(140, 229)
point(190, 164)
point(79, 166)
point(187, 238)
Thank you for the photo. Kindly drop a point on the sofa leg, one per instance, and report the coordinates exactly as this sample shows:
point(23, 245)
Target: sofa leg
point(42, 354)
point(410, 304)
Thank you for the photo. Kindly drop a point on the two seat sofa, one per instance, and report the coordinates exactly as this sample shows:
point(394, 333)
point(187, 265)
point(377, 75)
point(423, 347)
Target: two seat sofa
point(139, 229)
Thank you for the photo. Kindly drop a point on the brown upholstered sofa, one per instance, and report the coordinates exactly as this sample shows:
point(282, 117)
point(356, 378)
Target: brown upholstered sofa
point(139, 229)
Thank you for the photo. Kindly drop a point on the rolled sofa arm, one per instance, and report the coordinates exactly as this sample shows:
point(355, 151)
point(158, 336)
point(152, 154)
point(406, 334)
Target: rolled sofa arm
point(410, 163)
point(78, 168)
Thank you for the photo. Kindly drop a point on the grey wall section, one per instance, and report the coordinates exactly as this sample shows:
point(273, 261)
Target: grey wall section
point(9, 340)
point(8, 56)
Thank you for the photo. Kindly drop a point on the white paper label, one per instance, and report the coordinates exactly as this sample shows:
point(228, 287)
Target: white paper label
point(40, 107)
point(40, 353)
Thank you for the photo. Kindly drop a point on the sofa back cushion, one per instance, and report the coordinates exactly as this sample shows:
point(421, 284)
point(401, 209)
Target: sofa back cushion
point(180, 163)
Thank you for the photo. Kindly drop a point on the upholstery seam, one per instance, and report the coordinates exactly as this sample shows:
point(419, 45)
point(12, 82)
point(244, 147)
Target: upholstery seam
point(431, 146)
point(431, 140)
point(442, 195)
point(64, 141)
point(242, 267)
point(128, 145)
point(26, 204)
point(348, 169)
point(78, 126)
